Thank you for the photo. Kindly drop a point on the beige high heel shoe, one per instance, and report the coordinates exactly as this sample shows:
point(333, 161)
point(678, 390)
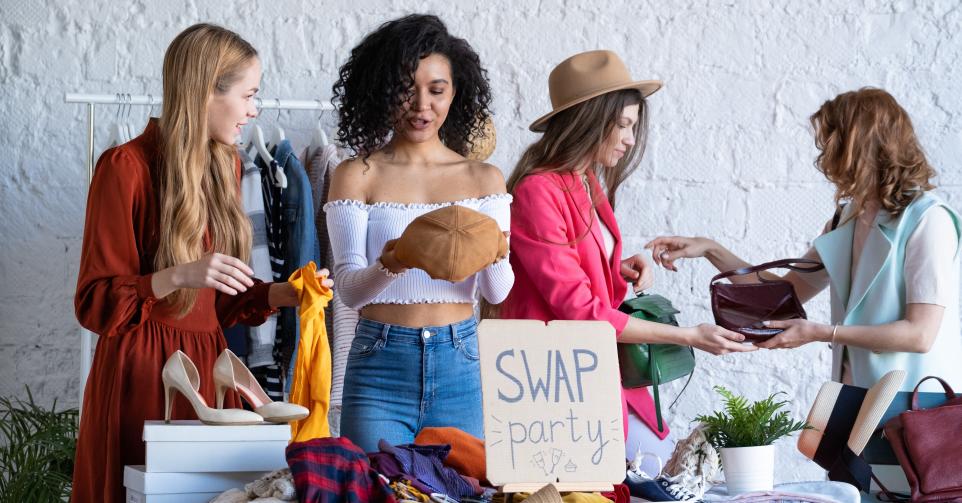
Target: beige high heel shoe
point(181, 374)
point(231, 373)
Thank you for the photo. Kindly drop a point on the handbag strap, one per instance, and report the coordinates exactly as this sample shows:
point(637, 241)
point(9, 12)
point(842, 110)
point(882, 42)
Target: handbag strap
point(788, 263)
point(837, 217)
point(655, 382)
point(949, 394)
point(890, 497)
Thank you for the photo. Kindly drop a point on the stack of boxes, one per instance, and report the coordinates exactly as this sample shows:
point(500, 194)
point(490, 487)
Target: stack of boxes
point(187, 461)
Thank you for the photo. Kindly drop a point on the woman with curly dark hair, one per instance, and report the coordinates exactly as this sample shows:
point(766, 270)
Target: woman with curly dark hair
point(891, 252)
point(411, 97)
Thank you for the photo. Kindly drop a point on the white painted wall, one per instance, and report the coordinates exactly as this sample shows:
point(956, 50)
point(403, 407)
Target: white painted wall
point(730, 152)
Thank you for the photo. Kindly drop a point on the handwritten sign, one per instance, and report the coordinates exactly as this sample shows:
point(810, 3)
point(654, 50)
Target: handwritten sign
point(551, 401)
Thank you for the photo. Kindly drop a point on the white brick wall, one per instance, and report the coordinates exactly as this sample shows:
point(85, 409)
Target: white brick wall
point(730, 153)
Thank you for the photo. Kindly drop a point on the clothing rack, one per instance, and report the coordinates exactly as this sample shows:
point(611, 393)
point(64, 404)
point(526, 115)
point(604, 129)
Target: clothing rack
point(126, 99)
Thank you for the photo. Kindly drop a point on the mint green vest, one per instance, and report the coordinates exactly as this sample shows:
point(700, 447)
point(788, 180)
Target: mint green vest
point(875, 295)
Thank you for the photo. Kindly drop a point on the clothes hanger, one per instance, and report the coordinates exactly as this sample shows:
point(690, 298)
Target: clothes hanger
point(280, 179)
point(319, 137)
point(115, 134)
point(128, 129)
point(278, 131)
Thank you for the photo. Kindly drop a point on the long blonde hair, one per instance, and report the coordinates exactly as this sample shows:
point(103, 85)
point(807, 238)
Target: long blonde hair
point(869, 150)
point(200, 208)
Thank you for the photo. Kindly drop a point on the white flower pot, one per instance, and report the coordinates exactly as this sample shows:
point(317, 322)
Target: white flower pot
point(748, 469)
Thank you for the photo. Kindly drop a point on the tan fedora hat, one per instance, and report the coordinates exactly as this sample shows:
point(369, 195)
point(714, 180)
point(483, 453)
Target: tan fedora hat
point(588, 75)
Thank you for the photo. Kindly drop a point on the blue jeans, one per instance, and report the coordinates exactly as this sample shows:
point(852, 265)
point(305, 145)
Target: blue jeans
point(402, 379)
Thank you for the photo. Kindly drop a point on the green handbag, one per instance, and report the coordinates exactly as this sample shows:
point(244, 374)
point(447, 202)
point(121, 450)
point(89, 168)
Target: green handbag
point(653, 364)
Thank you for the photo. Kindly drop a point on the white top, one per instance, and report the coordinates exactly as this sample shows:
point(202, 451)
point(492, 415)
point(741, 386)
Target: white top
point(931, 268)
point(358, 232)
point(607, 237)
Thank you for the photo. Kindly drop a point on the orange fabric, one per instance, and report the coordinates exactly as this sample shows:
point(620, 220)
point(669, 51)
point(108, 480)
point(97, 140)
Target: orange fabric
point(311, 386)
point(114, 299)
point(467, 451)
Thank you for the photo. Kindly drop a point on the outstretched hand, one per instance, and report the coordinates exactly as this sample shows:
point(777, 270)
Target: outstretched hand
point(666, 250)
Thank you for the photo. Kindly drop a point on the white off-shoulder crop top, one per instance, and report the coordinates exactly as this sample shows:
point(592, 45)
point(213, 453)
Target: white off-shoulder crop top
point(358, 232)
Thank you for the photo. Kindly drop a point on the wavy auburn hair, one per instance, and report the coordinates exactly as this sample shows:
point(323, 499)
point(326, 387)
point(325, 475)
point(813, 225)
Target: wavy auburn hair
point(200, 208)
point(869, 150)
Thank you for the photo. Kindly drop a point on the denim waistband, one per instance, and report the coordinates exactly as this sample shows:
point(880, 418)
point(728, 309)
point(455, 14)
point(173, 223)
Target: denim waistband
point(427, 336)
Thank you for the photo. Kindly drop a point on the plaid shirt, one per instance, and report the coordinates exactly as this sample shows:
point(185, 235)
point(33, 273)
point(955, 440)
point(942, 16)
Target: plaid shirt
point(335, 470)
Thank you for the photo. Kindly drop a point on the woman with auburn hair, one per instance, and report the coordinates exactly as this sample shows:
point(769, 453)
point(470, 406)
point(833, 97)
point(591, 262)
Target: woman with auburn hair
point(566, 247)
point(891, 252)
point(164, 260)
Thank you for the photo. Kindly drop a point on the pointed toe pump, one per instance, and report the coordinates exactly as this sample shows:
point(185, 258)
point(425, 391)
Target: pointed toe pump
point(231, 373)
point(181, 374)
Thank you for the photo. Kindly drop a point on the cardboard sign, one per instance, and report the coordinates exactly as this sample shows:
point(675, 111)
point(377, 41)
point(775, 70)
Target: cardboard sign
point(551, 402)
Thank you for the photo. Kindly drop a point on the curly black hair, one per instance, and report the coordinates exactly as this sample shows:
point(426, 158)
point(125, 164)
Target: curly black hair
point(379, 75)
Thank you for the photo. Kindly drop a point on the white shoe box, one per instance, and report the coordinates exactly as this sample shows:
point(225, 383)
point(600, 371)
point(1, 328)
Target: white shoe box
point(188, 461)
point(166, 487)
point(191, 446)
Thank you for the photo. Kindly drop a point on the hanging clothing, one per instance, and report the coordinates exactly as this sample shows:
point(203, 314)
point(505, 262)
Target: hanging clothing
point(320, 169)
point(292, 243)
point(137, 331)
point(311, 386)
point(270, 376)
point(341, 319)
point(300, 247)
point(260, 338)
point(562, 269)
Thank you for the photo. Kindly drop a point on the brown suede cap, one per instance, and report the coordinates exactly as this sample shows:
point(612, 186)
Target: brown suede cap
point(451, 243)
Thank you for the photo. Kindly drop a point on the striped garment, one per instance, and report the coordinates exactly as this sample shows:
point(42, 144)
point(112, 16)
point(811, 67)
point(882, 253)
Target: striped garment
point(260, 338)
point(270, 376)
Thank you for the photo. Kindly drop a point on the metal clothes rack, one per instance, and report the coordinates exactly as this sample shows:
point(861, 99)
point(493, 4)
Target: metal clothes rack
point(92, 100)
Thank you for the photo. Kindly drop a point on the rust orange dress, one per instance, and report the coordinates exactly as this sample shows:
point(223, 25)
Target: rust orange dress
point(137, 333)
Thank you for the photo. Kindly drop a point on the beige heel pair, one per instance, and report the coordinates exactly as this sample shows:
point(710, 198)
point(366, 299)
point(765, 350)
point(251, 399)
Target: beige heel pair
point(181, 374)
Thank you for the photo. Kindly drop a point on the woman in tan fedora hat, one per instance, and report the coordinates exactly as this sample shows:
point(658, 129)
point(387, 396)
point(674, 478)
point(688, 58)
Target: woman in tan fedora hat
point(565, 242)
point(412, 100)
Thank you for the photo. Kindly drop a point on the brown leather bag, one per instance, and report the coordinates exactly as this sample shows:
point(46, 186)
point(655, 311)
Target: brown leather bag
point(928, 446)
point(742, 307)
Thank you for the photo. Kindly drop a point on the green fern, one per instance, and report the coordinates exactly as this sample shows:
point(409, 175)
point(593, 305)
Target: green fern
point(37, 447)
point(748, 425)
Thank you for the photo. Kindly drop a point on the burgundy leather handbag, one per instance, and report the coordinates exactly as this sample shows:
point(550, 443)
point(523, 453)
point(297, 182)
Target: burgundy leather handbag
point(742, 307)
point(928, 445)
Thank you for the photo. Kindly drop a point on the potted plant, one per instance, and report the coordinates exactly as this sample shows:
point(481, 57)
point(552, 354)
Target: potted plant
point(743, 434)
point(37, 446)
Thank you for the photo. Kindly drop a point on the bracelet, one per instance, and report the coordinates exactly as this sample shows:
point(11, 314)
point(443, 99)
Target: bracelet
point(834, 333)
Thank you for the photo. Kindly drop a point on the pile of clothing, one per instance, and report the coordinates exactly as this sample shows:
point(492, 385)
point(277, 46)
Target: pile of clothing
point(443, 465)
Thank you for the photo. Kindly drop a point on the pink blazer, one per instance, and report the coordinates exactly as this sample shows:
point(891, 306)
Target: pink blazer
point(561, 269)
